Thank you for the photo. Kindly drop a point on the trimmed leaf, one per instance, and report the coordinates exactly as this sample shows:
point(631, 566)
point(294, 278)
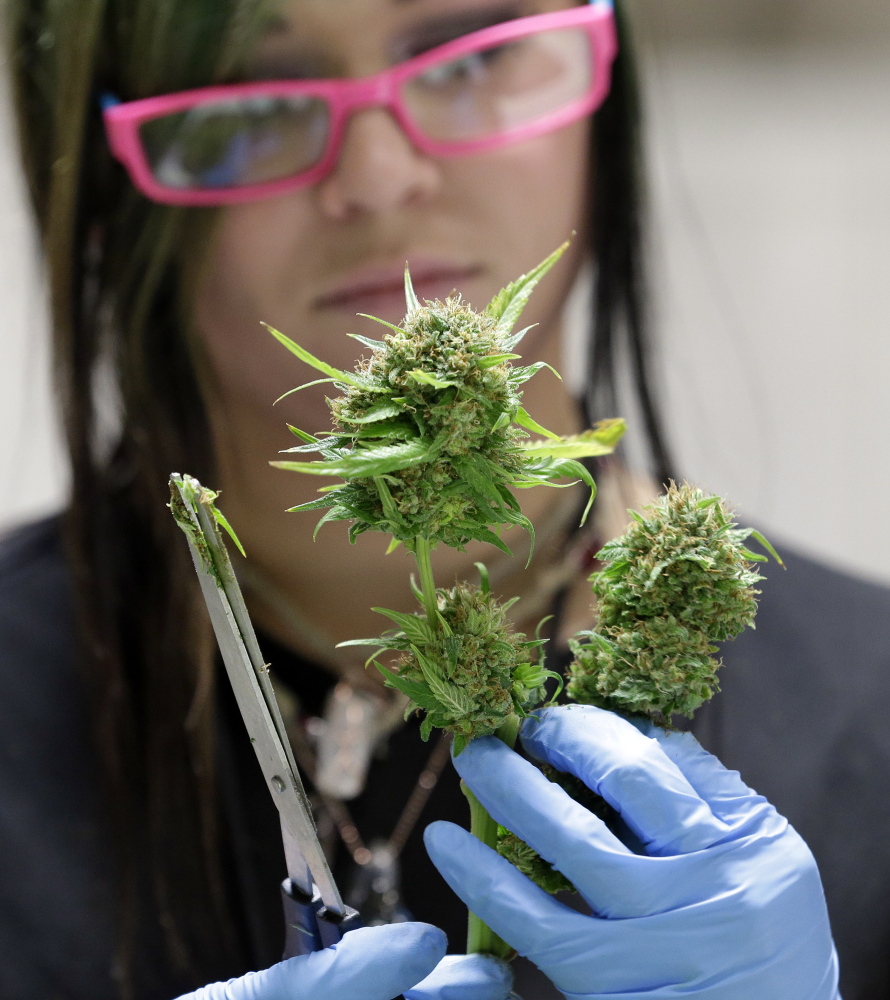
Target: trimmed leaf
point(375, 345)
point(421, 376)
point(230, 531)
point(601, 440)
point(506, 307)
point(380, 411)
point(365, 462)
point(319, 365)
point(496, 359)
point(530, 424)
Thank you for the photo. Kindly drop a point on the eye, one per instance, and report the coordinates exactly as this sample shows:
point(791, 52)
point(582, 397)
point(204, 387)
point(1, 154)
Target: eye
point(470, 69)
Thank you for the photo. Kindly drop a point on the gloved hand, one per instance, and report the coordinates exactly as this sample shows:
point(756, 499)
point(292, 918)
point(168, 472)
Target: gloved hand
point(725, 903)
point(373, 963)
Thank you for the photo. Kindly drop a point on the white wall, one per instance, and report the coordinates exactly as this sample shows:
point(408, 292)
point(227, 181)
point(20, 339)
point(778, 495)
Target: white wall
point(771, 189)
point(771, 196)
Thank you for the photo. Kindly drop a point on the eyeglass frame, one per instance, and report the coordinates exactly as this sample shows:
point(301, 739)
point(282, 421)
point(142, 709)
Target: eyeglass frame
point(345, 95)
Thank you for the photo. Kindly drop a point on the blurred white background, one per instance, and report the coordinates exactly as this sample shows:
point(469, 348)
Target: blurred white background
point(769, 137)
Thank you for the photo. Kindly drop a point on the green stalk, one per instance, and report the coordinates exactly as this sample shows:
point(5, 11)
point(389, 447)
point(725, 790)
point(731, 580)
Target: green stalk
point(422, 551)
point(480, 937)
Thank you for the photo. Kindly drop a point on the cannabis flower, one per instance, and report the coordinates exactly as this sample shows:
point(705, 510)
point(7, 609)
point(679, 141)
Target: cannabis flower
point(677, 581)
point(430, 432)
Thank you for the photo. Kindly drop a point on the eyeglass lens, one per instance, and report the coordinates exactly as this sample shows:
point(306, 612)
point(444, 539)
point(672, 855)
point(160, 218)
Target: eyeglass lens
point(237, 143)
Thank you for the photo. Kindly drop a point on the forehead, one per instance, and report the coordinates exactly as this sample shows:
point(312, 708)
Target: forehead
point(352, 37)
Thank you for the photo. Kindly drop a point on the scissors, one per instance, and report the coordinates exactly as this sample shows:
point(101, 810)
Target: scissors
point(314, 912)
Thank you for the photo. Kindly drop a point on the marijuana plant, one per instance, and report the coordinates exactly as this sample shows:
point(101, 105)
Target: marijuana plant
point(429, 438)
point(680, 579)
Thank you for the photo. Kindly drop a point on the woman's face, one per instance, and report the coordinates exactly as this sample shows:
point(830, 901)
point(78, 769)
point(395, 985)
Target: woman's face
point(308, 261)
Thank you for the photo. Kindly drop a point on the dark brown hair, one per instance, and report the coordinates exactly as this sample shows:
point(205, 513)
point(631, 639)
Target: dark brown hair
point(118, 275)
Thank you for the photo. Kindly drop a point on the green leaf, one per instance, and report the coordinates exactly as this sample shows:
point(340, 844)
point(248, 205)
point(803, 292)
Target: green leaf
point(502, 421)
point(490, 360)
point(411, 300)
point(484, 582)
point(230, 531)
point(419, 693)
point(389, 506)
point(530, 424)
point(322, 366)
point(766, 544)
point(483, 534)
point(302, 435)
point(459, 744)
point(382, 322)
point(449, 696)
point(417, 629)
point(600, 440)
point(516, 339)
point(365, 462)
point(313, 505)
point(305, 385)
point(520, 375)
point(380, 411)
point(480, 481)
point(506, 307)
point(375, 345)
point(421, 376)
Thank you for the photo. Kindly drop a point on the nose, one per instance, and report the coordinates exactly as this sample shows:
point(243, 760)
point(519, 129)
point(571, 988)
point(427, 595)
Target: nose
point(378, 169)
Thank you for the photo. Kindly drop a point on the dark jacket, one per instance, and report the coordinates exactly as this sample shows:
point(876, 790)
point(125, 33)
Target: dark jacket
point(801, 716)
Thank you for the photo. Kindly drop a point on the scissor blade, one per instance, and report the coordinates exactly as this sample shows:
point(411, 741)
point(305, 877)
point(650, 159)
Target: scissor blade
point(256, 700)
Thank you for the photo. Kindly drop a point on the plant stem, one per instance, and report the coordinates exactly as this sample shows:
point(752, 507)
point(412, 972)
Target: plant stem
point(480, 937)
point(427, 583)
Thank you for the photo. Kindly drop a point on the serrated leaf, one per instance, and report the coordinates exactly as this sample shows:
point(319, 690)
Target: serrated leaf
point(419, 693)
point(380, 411)
point(516, 338)
point(524, 419)
point(365, 462)
point(312, 505)
point(459, 744)
point(317, 363)
point(520, 375)
point(506, 307)
point(502, 421)
point(417, 629)
point(427, 379)
point(600, 440)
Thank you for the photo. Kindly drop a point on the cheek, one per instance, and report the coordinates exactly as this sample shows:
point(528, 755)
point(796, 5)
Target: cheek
point(527, 200)
point(249, 272)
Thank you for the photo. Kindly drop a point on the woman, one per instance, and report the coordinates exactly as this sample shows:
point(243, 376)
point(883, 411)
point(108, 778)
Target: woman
point(163, 365)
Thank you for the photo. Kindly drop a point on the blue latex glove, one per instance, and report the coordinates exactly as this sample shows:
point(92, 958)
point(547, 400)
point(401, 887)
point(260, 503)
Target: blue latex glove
point(725, 903)
point(373, 963)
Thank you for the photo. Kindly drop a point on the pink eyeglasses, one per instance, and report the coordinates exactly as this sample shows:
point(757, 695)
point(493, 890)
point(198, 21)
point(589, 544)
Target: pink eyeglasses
point(227, 144)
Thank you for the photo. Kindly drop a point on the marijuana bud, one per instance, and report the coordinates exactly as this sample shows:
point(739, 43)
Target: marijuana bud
point(470, 675)
point(430, 433)
point(679, 580)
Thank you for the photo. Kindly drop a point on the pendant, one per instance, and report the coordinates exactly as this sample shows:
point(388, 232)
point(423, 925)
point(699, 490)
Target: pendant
point(345, 742)
point(375, 887)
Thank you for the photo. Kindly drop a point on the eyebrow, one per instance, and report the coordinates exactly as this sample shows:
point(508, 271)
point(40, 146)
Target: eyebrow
point(438, 29)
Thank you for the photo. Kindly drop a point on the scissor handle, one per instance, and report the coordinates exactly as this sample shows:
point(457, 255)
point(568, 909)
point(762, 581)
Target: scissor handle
point(309, 924)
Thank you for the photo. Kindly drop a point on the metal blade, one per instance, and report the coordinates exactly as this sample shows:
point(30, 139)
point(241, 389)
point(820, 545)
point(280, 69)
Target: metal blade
point(249, 677)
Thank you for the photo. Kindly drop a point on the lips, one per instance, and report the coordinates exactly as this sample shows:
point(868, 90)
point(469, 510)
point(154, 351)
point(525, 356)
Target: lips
point(381, 290)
